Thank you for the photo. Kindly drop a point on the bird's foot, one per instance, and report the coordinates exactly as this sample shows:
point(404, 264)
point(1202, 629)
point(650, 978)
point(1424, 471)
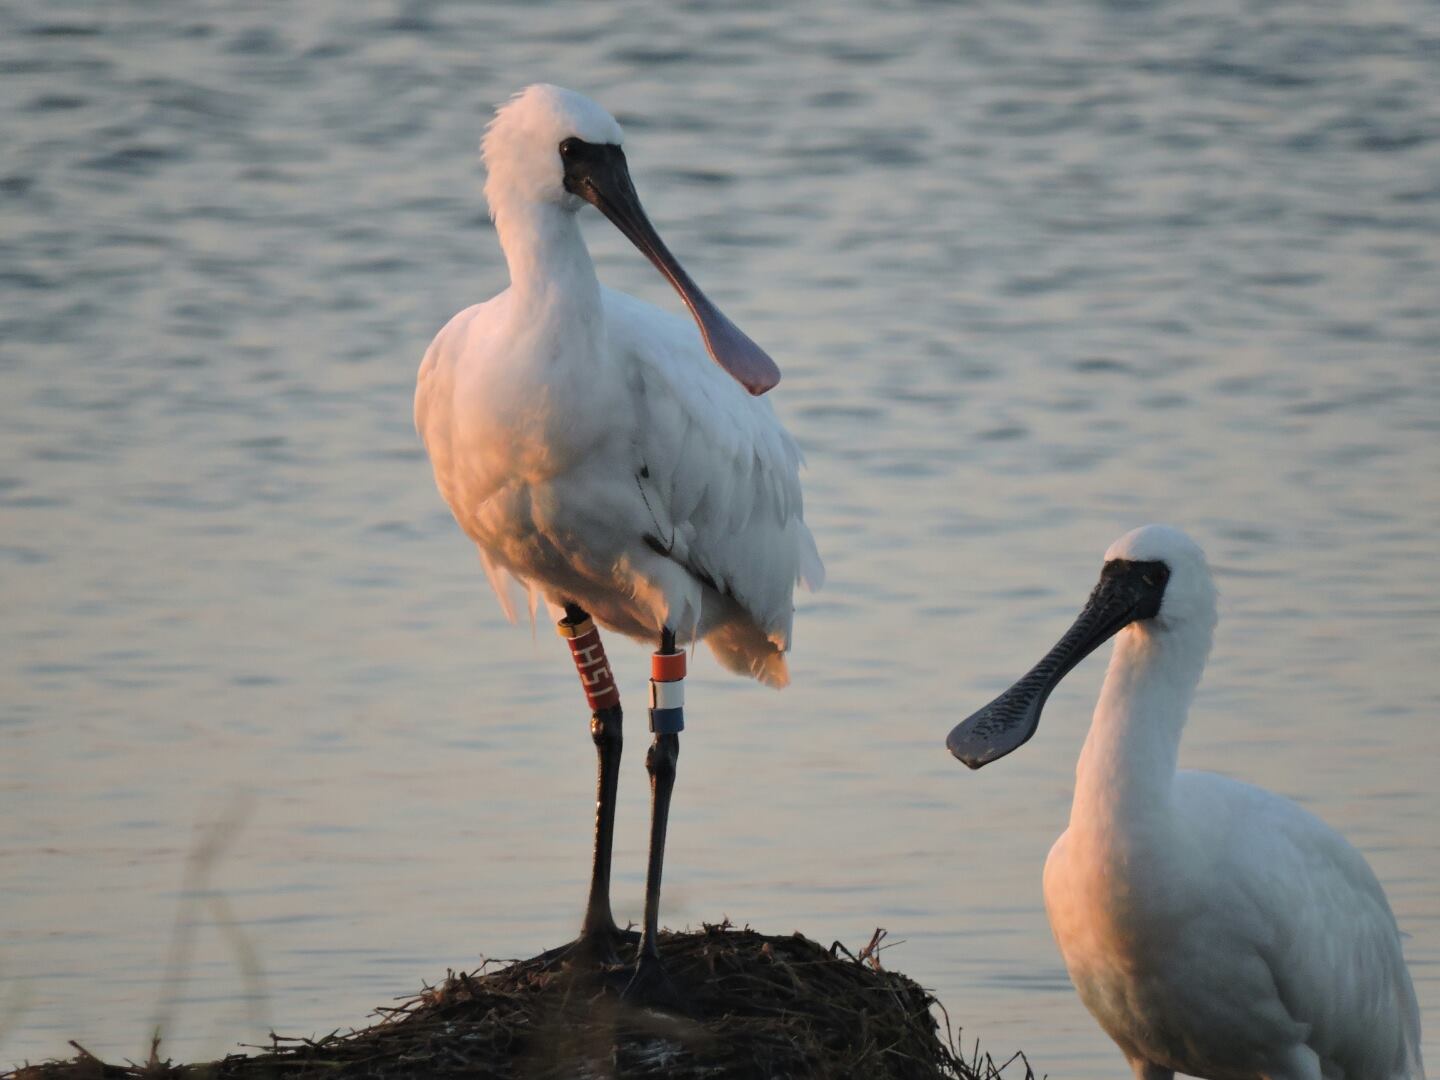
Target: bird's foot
point(594, 949)
point(651, 986)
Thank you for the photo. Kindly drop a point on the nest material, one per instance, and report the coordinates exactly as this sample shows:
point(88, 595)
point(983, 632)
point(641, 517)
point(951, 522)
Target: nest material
point(756, 1007)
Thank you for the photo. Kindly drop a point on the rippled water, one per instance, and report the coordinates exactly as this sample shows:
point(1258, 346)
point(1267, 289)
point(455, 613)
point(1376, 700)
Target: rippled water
point(1036, 274)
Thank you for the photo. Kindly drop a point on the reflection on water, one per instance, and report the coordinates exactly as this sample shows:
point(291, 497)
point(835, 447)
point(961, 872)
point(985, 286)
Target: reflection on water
point(1034, 275)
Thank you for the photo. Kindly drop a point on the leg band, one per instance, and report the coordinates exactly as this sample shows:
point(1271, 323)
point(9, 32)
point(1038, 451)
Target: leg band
point(588, 653)
point(667, 693)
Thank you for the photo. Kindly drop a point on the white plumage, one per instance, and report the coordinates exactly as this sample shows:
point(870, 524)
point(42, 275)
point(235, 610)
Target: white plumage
point(588, 444)
point(1212, 928)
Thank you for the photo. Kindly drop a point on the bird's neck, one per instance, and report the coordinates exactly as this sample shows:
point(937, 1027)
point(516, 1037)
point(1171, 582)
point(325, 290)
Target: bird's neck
point(546, 253)
point(1127, 769)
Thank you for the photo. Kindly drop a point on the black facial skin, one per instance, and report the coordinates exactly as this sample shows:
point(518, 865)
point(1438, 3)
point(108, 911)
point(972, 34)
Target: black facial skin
point(597, 173)
point(1127, 592)
point(584, 162)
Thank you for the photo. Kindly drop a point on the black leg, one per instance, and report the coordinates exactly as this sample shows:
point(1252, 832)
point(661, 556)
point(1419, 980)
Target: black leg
point(660, 762)
point(599, 923)
point(598, 932)
point(667, 713)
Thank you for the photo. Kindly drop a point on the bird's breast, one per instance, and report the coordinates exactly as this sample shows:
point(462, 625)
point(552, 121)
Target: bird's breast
point(1113, 900)
point(512, 396)
point(1157, 959)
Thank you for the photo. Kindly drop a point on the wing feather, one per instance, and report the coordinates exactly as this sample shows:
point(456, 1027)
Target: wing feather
point(726, 473)
point(1324, 928)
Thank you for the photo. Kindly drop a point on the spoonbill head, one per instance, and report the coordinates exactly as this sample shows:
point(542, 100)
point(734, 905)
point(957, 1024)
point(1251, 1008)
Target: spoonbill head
point(521, 148)
point(1155, 586)
point(1183, 593)
point(550, 145)
point(1212, 928)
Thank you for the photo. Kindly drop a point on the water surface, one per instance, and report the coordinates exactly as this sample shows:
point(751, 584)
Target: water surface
point(1035, 275)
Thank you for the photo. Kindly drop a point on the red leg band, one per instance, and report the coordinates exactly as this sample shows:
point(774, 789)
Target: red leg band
point(588, 653)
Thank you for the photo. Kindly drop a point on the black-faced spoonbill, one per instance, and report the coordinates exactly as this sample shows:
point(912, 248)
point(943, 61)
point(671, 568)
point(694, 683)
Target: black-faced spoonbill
point(588, 445)
point(1212, 928)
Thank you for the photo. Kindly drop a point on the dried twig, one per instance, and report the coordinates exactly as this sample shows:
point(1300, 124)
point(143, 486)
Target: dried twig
point(757, 1006)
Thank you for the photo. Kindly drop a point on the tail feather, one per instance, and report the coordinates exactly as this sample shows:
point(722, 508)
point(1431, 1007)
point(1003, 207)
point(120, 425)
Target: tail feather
point(500, 580)
point(812, 570)
point(742, 648)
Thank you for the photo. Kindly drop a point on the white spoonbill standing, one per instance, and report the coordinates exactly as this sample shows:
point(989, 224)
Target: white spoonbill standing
point(1212, 928)
point(594, 452)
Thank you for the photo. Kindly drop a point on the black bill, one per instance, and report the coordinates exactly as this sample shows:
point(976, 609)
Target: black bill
point(598, 174)
point(1128, 591)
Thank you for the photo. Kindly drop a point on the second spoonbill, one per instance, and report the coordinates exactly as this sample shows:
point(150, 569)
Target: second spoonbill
point(1212, 928)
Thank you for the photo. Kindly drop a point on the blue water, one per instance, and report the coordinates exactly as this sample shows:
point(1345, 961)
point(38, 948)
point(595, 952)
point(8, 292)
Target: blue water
point(1035, 275)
